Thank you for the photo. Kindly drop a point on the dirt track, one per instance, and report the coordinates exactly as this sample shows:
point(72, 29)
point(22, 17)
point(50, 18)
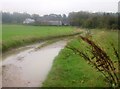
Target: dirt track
point(29, 68)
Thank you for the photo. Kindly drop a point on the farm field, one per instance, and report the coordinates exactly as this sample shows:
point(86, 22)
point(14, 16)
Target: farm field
point(0, 39)
point(71, 70)
point(0, 32)
point(60, 43)
point(17, 35)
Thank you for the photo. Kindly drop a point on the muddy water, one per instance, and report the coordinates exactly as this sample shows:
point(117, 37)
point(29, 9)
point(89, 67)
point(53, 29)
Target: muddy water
point(29, 68)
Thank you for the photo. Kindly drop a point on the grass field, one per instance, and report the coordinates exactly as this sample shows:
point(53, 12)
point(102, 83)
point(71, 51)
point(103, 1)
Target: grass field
point(17, 35)
point(71, 70)
point(0, 40)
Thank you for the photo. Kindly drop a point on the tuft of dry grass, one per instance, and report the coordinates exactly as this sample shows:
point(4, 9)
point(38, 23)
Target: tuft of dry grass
point(100, 60)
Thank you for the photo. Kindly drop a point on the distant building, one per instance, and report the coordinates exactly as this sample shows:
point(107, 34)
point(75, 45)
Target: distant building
point(51, 22)
point(28, 21)
point(59, 23)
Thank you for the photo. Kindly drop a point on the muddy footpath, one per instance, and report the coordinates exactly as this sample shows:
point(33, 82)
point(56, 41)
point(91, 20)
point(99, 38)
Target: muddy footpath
point(28, 67)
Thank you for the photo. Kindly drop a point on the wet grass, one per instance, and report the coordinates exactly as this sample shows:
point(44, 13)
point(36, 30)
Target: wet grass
point(18, 35)
point(71, 70)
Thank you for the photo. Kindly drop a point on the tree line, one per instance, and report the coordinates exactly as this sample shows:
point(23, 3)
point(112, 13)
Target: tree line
point(94, 20)
point(18, 18)
point(81, 19)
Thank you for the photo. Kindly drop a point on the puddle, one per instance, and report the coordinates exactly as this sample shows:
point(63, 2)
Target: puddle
point(29, 68)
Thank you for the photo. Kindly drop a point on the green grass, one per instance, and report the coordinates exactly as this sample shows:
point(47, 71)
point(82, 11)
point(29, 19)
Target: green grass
point(104, 38)
point(17, 35)
point(71, 70)
point(0, 32)
point(0, 39)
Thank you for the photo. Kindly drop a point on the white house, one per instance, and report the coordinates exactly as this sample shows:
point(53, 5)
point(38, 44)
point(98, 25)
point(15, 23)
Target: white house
point(28, 21)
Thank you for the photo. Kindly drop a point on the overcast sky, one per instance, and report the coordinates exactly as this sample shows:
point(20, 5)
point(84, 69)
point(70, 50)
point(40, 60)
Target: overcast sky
point(42, 7)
